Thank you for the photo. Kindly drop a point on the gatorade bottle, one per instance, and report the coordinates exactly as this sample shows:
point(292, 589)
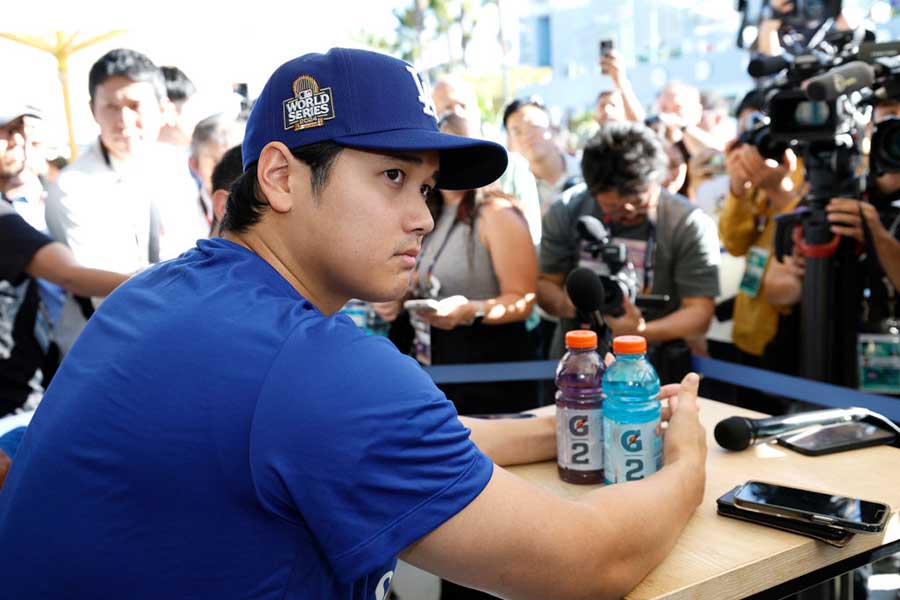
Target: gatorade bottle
point(631, 420)
point(579, 410)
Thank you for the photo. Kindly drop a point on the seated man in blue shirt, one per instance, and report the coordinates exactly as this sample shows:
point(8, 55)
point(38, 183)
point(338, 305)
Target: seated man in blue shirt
point(219, 430)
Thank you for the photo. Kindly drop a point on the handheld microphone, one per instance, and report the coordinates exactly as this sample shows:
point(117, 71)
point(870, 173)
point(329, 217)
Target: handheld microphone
point(841, 80)
point(590, 228)
point(738, 433)
point(762, 66)
point(586, 292)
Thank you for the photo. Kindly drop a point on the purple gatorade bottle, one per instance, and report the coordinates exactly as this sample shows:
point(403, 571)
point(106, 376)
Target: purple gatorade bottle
point(579, 410)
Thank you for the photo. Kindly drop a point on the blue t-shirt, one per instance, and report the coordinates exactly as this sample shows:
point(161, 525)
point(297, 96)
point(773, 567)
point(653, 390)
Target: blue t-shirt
point(211, 434)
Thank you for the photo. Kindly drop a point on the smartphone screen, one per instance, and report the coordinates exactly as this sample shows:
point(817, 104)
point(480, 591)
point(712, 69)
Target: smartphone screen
point(852, 513)
point(837, 437)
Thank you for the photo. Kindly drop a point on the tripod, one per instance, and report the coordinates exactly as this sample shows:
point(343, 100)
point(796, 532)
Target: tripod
point(830, 297)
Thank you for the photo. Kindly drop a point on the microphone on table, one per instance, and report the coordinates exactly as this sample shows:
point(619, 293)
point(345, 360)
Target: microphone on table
point(738, 433)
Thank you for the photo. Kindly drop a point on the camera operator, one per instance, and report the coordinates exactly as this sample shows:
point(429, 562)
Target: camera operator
point(673, 246)
point(846, 215)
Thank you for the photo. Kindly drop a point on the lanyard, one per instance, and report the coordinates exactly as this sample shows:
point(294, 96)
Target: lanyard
point(426, 288)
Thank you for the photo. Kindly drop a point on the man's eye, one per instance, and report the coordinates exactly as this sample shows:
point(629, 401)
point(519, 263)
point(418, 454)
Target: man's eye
point(395, 175)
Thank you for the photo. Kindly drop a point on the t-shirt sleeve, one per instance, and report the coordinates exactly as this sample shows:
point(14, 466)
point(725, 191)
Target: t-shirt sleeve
point(559, 240)
point(353, 440)
point(19, 242)
point(698, 256)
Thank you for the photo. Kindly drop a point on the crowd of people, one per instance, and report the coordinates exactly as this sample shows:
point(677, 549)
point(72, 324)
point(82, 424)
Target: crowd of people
point(492, 248)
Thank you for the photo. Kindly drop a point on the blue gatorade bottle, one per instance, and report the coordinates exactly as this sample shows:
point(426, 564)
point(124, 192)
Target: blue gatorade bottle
point(631, 415)
point(579, 410)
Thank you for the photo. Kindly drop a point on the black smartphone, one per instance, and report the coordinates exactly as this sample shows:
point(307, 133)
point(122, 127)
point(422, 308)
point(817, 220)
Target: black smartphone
point(726, 507)
point(852, 514)
point(837, 438)
point(605, 46)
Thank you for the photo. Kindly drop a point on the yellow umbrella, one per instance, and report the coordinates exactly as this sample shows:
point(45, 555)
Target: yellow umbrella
point(62, 48)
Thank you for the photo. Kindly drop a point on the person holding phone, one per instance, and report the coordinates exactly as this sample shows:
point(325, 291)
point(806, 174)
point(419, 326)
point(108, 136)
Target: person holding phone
point(613, 64)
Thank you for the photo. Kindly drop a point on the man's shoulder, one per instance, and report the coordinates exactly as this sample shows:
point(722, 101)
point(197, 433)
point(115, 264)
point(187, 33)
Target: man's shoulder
point(676, 211)
point(575, 200)
point(80, 172)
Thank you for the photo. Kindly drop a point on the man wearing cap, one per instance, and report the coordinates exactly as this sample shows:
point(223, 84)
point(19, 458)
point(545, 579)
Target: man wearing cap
point(28, 358)
point(247, 440)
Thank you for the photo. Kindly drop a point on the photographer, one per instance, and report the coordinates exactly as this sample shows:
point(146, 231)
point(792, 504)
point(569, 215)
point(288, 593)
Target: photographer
point(672, 245)
point(759, 190)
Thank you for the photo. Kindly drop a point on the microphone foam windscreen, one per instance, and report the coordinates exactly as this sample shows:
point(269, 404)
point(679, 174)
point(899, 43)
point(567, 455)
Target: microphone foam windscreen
point(733, 433)
point(585, 289)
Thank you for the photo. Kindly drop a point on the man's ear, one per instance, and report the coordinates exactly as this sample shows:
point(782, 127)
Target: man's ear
point(273, 174)
point(219, 200)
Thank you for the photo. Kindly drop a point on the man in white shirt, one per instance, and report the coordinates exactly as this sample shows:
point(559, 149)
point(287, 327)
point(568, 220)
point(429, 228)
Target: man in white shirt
point(103, 205)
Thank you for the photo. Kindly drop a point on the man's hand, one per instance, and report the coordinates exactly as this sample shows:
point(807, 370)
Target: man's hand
point(5, 464)
point(612, 64)
point(451, 312)
point(630, 323)
point(746, 167)
point(685, 438)
point(844, 215)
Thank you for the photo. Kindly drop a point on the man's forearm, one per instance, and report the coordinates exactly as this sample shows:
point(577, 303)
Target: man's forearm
point(888, 249)
point(687, 321)
point(552, 298)
point(514, 441)
point(633, 109)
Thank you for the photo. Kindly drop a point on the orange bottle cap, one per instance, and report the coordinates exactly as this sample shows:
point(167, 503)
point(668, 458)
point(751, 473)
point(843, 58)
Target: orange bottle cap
point(629, 344)
point(581, 338)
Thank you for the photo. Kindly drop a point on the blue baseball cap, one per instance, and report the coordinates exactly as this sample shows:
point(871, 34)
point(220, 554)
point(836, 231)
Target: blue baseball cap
point(364, 100)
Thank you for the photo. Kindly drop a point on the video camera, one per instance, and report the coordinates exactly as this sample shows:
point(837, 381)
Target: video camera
point(818, 103)
point(609, 292)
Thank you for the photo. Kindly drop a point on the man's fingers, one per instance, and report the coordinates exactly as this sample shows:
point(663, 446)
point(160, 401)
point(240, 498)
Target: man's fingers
point(669, 390)
point(687, 396)
point(852, 232)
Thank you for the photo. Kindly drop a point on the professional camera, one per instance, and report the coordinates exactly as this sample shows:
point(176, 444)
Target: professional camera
point(621, 281)
point(818, 103)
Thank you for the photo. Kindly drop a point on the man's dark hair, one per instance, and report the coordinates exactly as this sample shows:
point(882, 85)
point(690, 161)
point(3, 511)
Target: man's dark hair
point(518, 104)
point(624, 157)
point(245, 205)
point(179, 87)
point(130, 64)
point(227, 170)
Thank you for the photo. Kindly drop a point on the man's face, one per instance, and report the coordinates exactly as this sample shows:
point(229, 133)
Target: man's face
point(681, 100)
point(529, 133)
point(627, 210)
point(361, 236)
point(12, 148)
point(205, 161)
point(129, 115)
point(610, 108)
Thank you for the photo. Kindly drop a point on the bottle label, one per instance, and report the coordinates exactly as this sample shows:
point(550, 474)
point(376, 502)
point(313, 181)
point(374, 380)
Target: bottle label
point(579, 438)
point(633, 451)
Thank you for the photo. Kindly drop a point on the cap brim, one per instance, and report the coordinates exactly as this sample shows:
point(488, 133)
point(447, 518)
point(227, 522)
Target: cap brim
point(7, 116)
point(466, 163)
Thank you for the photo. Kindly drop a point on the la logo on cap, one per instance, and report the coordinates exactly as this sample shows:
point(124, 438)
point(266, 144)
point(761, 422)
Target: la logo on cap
point(309, 107)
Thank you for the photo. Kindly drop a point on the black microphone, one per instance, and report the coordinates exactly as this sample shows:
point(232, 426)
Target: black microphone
point(841, 80)
point(737, 433)
point(586, 292)
point(762, 66)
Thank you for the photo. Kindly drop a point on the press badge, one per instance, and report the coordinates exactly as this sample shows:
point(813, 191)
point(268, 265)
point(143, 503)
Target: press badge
point(754, 271)
point(878, 357)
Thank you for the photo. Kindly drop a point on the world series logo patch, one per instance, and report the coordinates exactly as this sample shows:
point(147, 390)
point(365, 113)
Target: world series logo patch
point(310, 106)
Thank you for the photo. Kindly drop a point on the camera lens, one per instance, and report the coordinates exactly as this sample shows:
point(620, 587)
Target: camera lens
point(885, 152)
